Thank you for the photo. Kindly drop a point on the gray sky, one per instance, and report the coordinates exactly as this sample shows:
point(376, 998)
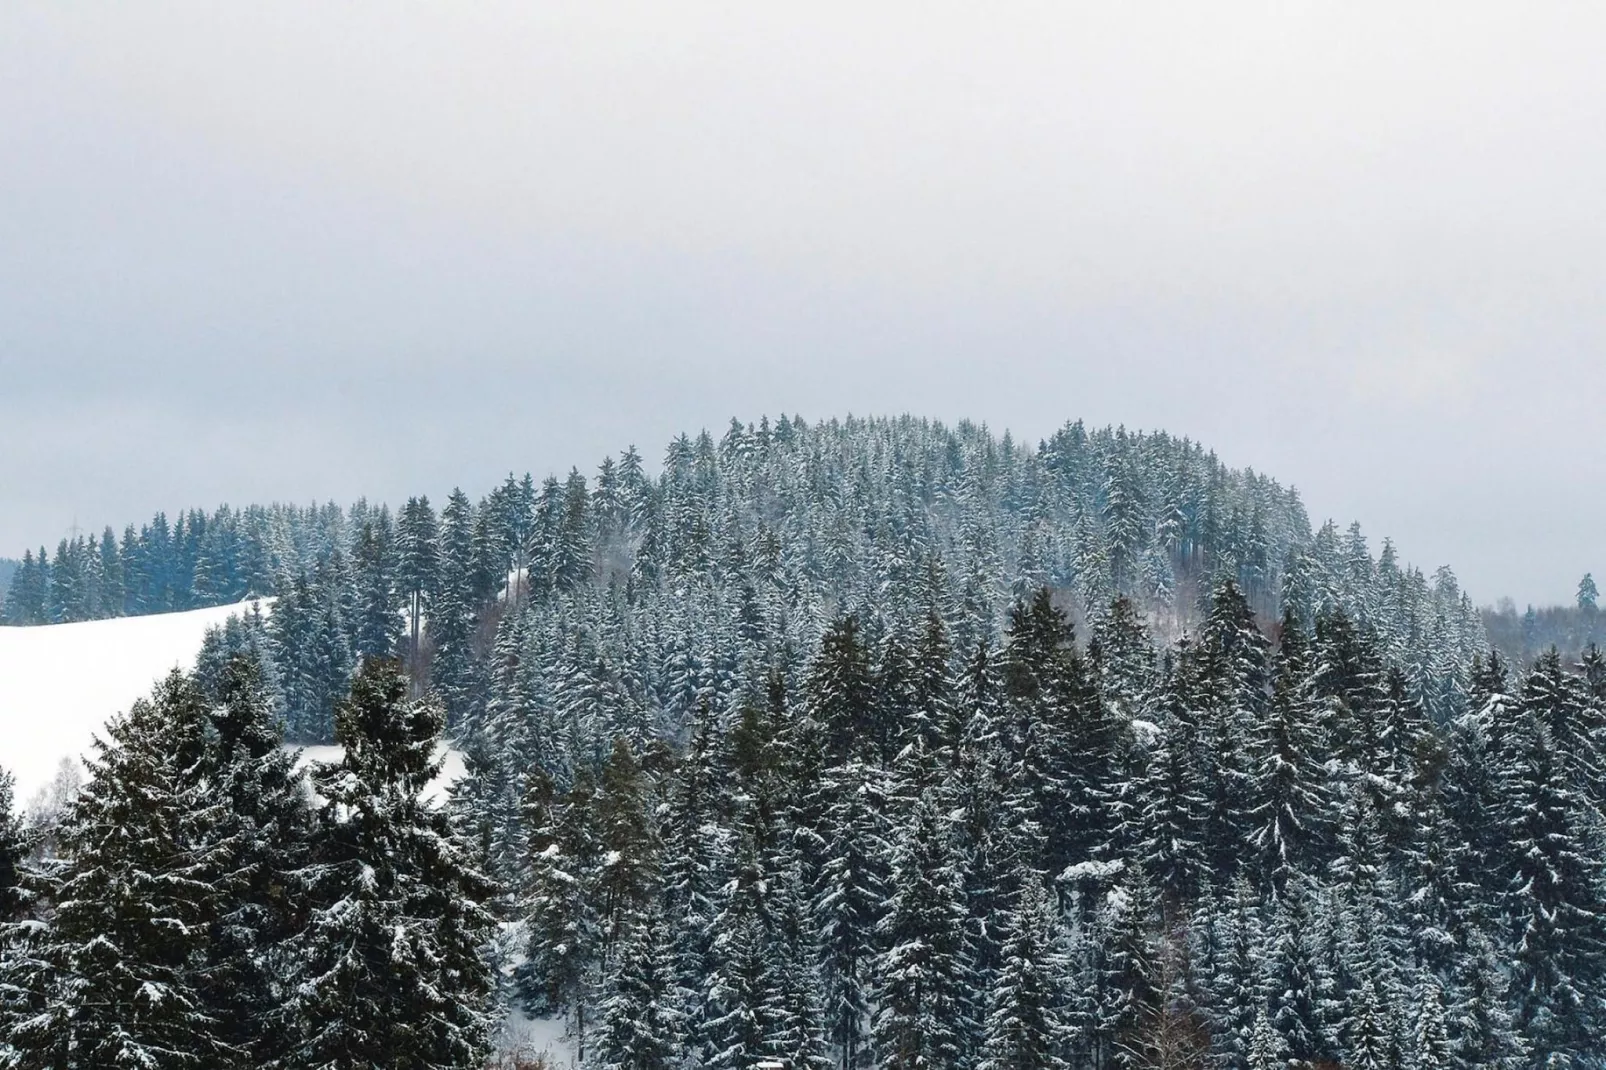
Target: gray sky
point(304, 251)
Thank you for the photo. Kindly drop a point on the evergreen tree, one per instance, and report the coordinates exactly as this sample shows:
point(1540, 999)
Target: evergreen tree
point(417, 565)
point(1266, 1047)
point(924, 973)
point(14, 850)
point(1026, 1029)
point(848, 907)
point(1482, 1032)
point(1292, 983)
point(1554, 903)
point(564, 931)
point(376, 630)
point(640, 1024)
point(839, 693)
point(452, 620)
point(1287, 782)
point(119, 986)
point(257, 847)
point(1232, 672)
point(388, 967)
point(1168, 818)
point(628, 873)
point(1430, 1041)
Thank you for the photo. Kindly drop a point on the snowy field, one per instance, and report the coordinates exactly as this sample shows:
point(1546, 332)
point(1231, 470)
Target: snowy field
point(60, 684)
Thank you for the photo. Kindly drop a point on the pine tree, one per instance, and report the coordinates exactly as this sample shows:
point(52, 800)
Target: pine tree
point(388, 968)
point(1168, 816)
point(1231, 675)
point(564, 932)
point(798, 1038)
point(641, 1028)
point(23, 975)
point(1068, 746)
point(452, 621)
point(839, 695)
point(1555, 902)
point(1265, 1046)
point(740, 1024)
point(1430, 1040)
point(1288, 785)
point(257, 846)
point(417, 565)
point(924, 972)
point(1482, 1031)
point(1292, 983)
point(1130, 983)
point(1234, 987)
point(848, 907)
point(1026, 1029)
point(377, 628)
point(119, 987)
point(627, 875)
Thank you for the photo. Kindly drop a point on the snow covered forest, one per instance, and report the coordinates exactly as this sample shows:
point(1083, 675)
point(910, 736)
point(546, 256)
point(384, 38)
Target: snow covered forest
point(861, 744)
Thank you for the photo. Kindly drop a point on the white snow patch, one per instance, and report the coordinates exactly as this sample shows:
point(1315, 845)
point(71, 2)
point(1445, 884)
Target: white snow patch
point(61, 683)
point(451, 759)
point(1093, 869)
point(538, 1036)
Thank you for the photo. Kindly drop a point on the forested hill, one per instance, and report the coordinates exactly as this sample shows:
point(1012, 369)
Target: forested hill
point(783, 524)
point(663, 585)
point(873, 745)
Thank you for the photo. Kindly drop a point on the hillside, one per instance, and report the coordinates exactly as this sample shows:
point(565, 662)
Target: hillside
point(785, 522)
point(853, 744)
point(60, 683)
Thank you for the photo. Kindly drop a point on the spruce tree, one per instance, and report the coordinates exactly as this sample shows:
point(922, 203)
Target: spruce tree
point(1555, 903)
point(14, 848)
point(1265, 1046)
point(848, 907)
point(257, 848)
point(839, 693)
point(1430, 1038)
point(1287, 783)
point(1167, 818)
point(641, 1027)
point(561, 911)
point(1292, 982)
point(417, 566)
point(924, 972)
point(1025, 1027)
point(132, 903)
point(388, 968)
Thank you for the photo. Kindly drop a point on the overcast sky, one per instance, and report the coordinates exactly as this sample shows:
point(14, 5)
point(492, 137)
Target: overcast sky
point(298, 251)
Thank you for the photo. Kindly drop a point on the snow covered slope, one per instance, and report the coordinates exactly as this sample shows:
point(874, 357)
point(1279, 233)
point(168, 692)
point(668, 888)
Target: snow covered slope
point(59, 683)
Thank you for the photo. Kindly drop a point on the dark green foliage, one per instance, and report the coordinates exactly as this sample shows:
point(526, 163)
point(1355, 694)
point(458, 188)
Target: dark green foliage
point(794, 752)
point(388, 969)
point(133, 903)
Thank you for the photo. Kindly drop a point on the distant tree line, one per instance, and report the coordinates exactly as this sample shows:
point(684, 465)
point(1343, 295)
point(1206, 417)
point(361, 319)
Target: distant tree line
point(1524, 637)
